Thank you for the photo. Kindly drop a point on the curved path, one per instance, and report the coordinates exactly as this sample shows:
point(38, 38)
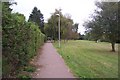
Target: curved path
point(50, 64)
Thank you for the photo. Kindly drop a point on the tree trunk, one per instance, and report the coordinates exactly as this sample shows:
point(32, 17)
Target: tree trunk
point(113, 47)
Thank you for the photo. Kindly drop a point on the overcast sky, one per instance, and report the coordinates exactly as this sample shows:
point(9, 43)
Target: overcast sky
point(79, 10)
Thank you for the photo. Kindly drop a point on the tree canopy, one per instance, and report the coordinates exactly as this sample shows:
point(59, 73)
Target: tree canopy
point(68, 29)
point(104, 24)
point(37, 17)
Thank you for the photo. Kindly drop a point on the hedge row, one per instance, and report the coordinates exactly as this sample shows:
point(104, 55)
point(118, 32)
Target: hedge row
point(21, 40)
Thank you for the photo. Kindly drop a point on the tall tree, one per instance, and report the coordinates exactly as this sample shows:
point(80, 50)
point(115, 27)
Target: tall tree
point(37, 17)
point(105, 22)
point(66, 26)
point(75, 27)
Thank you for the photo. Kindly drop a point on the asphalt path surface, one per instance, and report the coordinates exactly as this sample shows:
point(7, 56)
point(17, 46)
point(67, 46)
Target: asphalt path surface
point(50, 64)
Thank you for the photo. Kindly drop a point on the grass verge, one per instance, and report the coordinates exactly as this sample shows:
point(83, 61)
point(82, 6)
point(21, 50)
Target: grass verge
point(88, 59)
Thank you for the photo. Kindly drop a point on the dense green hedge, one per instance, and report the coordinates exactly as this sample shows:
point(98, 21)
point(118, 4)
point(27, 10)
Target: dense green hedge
point(21, 40)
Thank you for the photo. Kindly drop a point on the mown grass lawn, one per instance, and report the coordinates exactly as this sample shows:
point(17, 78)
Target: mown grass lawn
point(88, 59)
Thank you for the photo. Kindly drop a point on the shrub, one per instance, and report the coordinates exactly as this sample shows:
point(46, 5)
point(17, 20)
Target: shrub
point(29, 69)
point(21, 40)
point(24, 77)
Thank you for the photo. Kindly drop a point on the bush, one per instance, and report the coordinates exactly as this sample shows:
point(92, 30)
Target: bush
point(24, 77)
point(21, 40)
point(29, 69)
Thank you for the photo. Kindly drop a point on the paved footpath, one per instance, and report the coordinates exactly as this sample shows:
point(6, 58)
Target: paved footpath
point(51, 64)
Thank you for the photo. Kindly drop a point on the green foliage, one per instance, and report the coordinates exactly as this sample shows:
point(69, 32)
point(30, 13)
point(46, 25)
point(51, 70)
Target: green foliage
point(66, 26)
point(29, 69)
point(24, 77)
point(20, 41)
point(104, 24)
point(6, 13)
point(37, 17)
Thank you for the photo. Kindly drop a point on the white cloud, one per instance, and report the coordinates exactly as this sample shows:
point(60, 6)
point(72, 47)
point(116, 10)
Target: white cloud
point(78, 9)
